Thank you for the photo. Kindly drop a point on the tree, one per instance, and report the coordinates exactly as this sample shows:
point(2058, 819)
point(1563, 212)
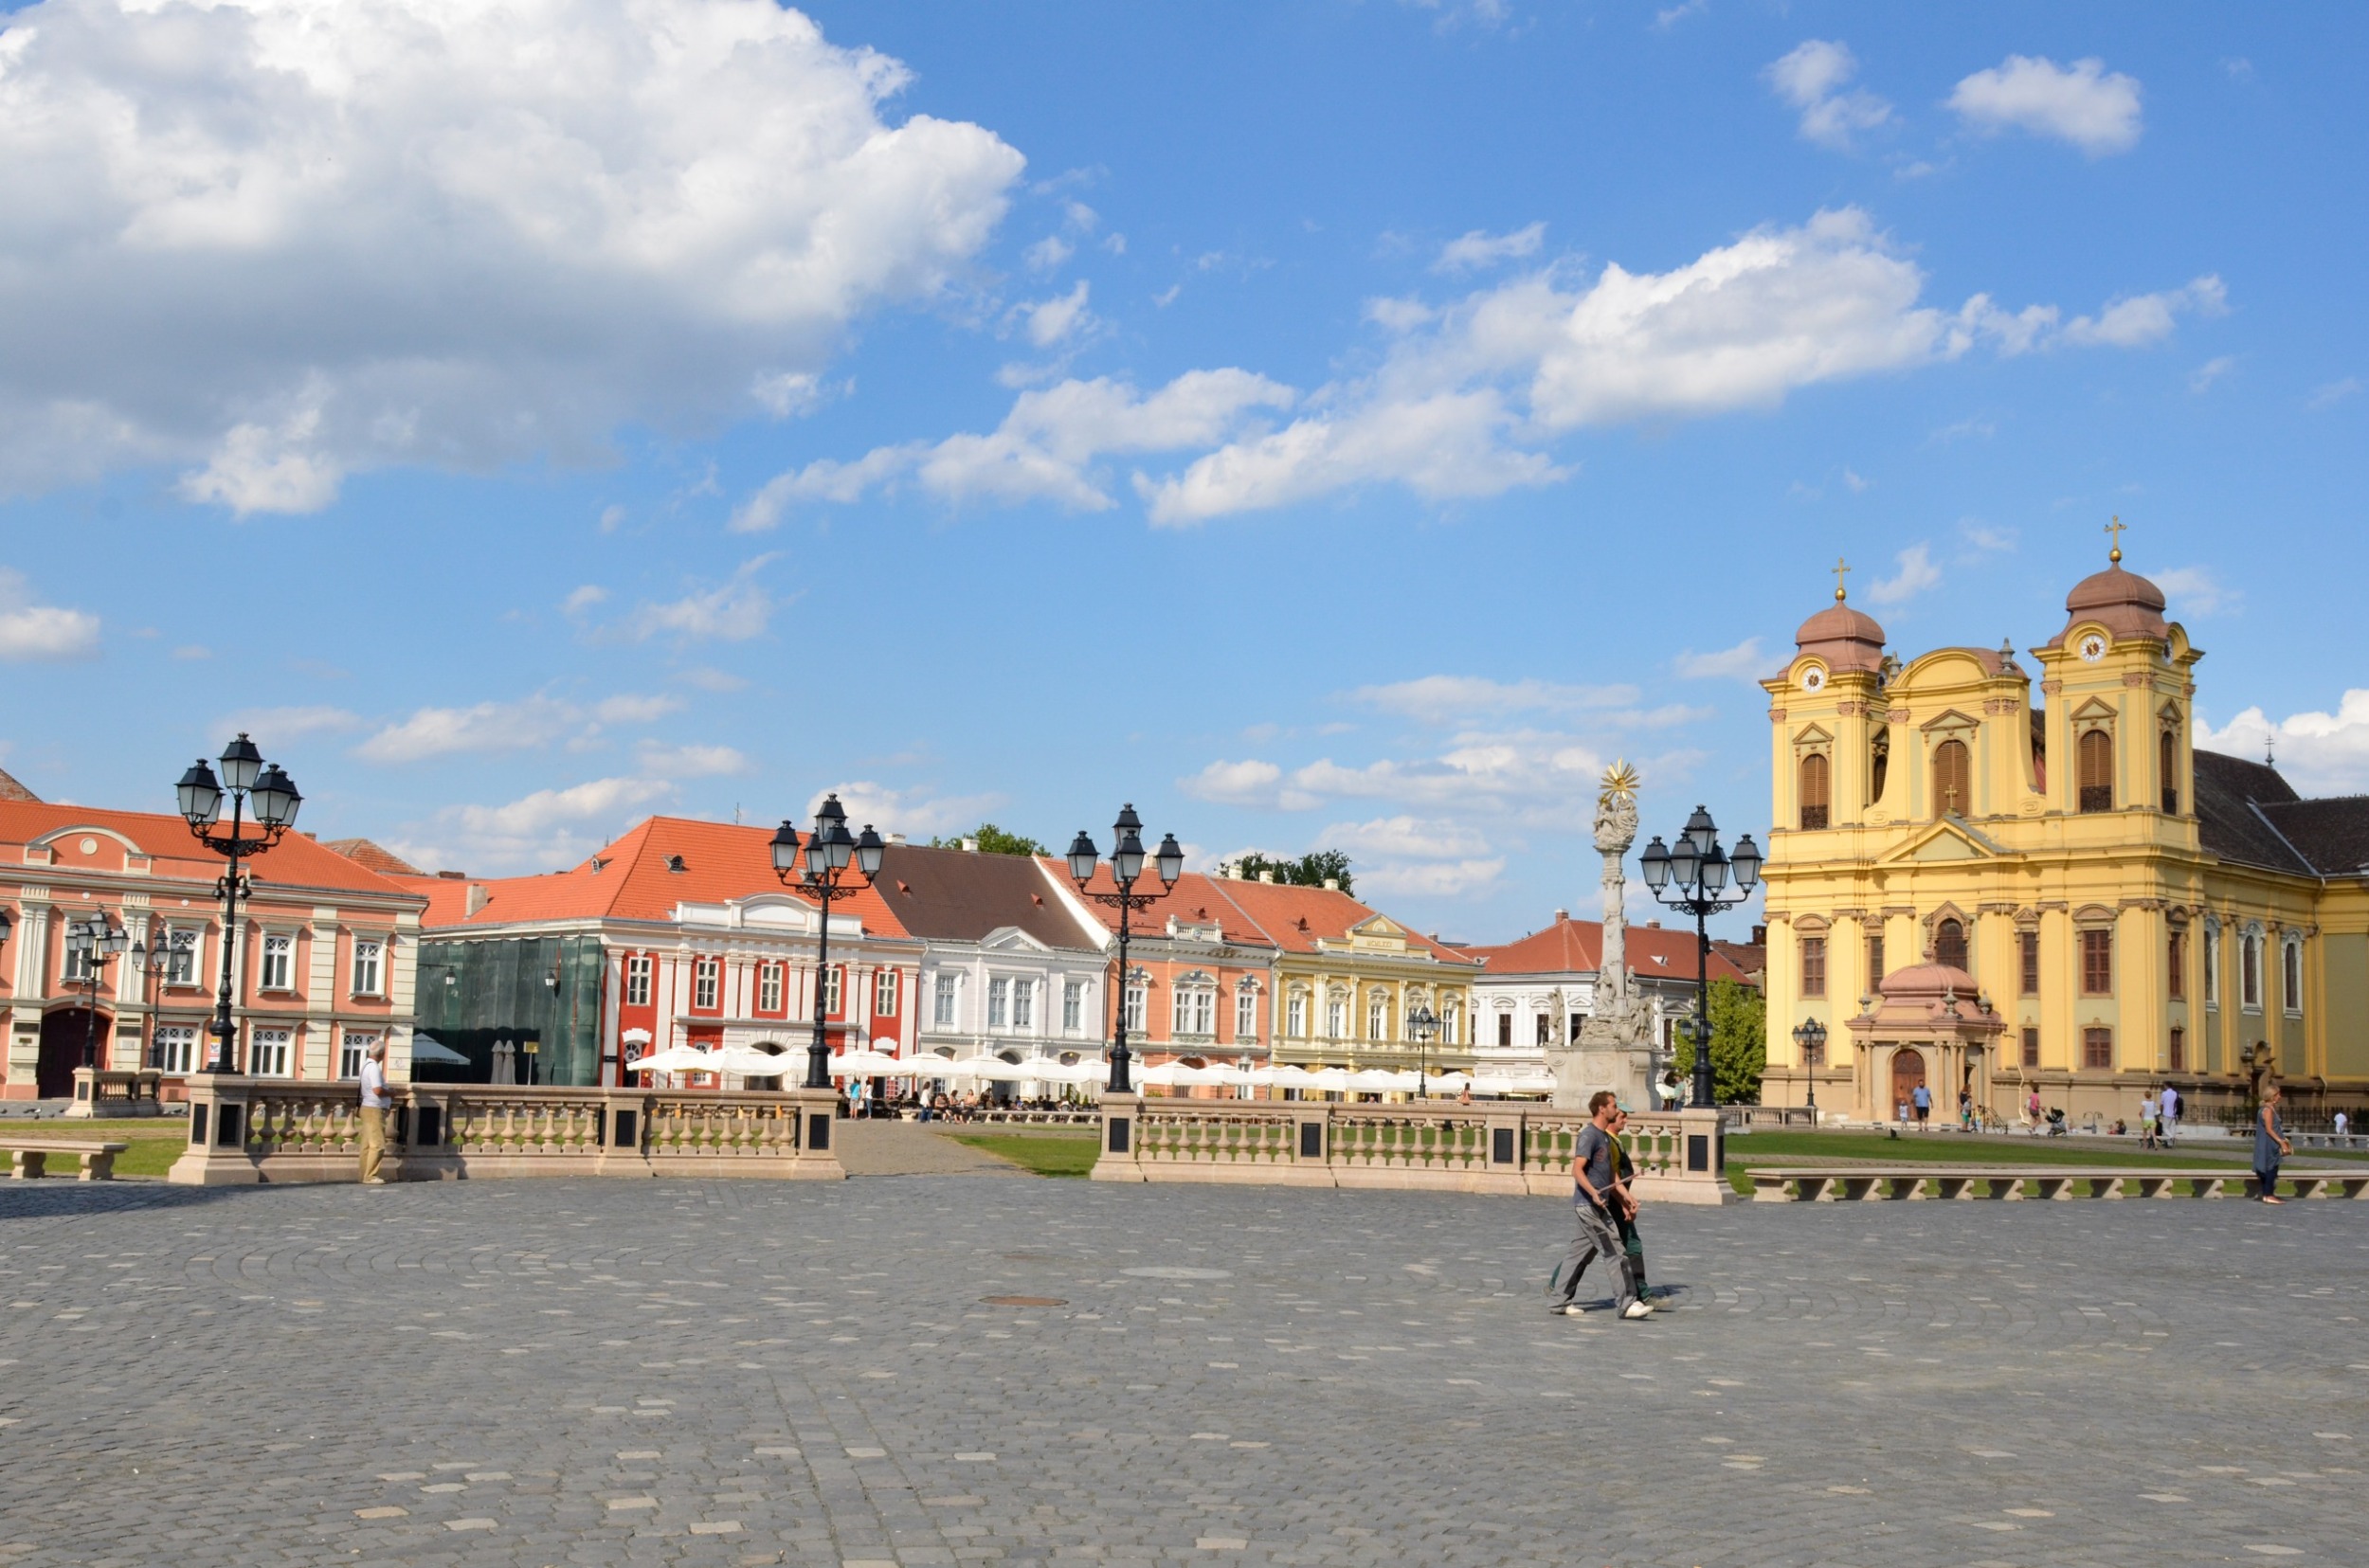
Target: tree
point(993, 840)
point(1309, 871)
point(1739, 1044)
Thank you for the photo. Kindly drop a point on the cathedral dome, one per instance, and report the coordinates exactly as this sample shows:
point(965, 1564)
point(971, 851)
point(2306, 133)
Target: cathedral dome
point(2125, 603)
point(1844, 637)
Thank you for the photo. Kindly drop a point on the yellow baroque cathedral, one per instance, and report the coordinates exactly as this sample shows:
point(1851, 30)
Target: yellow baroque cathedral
point(1980, 887)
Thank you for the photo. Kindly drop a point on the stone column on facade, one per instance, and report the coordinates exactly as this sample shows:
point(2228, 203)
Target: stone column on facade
point(1614, 1049)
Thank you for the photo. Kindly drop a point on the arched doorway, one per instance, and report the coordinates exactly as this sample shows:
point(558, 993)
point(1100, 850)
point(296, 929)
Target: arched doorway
point(63, 1035)
point(770, 1048)
point(1907, 1075)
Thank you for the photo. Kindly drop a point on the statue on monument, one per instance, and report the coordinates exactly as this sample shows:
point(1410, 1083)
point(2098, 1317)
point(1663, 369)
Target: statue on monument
point(1614, 1049)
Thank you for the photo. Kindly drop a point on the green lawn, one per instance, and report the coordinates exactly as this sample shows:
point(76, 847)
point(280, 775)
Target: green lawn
point(1958, 1149)
point(1046, 1153)
point(156, 1140)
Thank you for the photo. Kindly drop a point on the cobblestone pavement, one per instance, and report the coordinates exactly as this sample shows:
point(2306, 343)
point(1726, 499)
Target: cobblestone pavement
point(911, 1148)
point(627, 1372)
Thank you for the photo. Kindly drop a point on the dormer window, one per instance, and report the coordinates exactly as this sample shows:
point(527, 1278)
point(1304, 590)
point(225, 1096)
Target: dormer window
point(674, 862)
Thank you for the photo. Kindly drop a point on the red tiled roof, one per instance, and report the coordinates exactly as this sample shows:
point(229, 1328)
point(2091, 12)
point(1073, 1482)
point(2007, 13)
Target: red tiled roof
point(11, 790)
point(1576, 946)
point(1276, 914)
point(295, 861)
point(634, 881)
point(378, 858)
point(1194, 900)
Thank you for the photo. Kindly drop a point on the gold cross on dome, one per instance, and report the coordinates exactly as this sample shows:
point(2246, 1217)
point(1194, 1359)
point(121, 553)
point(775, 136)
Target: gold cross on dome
point(1842, 569)
point(2115, 528)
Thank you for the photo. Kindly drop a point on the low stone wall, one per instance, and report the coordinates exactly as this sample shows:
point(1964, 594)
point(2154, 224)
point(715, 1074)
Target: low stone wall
point(247, 1130)
point(1443, 1147)
point(1855, 1184)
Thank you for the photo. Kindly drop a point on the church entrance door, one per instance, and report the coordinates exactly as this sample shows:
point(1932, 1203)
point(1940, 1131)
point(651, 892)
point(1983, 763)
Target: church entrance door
point(1907, 1077)
point(63, 1035)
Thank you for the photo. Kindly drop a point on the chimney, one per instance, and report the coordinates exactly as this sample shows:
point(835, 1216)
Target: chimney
point(476, 898)
point(970, 846)
point(1562, 915)
point(1333, 884)
point(895, 837)
point(1266, 876)
point(1759, 936)
point(1653, 924)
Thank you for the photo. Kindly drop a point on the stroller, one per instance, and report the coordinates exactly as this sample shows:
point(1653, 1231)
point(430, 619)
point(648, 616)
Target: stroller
point(2056, 1128)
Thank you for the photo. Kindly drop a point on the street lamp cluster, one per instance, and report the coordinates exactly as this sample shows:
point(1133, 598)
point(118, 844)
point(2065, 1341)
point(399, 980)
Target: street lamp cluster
point(830, 848)
point(1127, 865)
point(246, 781)
point(1695, 877)
point(92, 943)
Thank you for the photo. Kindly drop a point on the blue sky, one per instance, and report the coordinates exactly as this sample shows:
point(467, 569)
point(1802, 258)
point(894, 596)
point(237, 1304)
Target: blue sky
point(1322, 424)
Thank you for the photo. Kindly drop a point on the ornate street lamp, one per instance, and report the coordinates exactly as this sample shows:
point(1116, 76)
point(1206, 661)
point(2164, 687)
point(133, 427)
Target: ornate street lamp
point(245, 779)
point(95, 943)
point(1126, 864)
point(830, 849)
point(1810, 1036)
point(1692, 877)
point(1422, 1027)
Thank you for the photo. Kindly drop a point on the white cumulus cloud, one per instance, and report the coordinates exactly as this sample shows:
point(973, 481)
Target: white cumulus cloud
point(2083, 103)
point(734, 611)
point(1480, 248)
point(1743, 659)
point(538, 832)
point(1916, 573)
point(2320, 753)
point(1812, 78)
point(33, 631)
point(916, 813)
point(280, 242)
point(483, 727)
point(1057, 319)
point(2137, 321)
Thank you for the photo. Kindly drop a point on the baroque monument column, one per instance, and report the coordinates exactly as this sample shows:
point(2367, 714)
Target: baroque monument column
point(1614, 1048)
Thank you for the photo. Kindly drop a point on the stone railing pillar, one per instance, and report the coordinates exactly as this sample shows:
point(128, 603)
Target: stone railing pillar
point(1699, 1174)
point(818, 1111)
point(1312, 1132)
point(1122, 1143)
point(217, 1154)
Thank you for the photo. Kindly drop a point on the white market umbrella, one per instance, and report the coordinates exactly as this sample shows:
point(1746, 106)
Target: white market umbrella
point(680, 1058)
point(1451, 1083)
point(747, 1061)
point(1289, 1075)
point(1072, 1072)
point(1373, 1080)
point(426, 1048)
point(992, 1069)
point(869, 1064)
point(1329, 1078)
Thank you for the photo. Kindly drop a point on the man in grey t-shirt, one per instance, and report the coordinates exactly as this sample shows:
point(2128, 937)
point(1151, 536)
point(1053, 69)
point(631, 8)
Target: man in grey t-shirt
point(1593, 1195)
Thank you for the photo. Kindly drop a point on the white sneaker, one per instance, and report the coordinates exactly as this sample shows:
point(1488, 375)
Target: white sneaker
point(1638, 1310)
point(1574, 1311)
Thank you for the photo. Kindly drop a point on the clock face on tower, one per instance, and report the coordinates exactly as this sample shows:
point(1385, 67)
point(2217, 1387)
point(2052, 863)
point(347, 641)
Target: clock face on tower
point(1813, 679)
point(2093, 647)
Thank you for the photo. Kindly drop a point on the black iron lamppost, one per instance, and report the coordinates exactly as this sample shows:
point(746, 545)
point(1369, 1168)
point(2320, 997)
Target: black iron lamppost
point(1692, 877)
point(1126, 864)
point(1422, 1027)
point(829, 849)
point(95, 943)
point(245, 779)
point(1810, 1036)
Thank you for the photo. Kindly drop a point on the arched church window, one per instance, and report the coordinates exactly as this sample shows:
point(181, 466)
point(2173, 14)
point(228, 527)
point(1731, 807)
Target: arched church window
point(1949, 940)
point(1814, 790)
point(1879, 763)
point(2094, 761)
point(2168, 770)
point(1953, 779)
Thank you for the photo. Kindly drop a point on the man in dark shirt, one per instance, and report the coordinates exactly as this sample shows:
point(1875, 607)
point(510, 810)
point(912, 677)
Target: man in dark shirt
point(1594, 1193)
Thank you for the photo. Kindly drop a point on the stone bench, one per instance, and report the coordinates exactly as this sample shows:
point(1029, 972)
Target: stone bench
point(30, 1158)
point(1853, 1183)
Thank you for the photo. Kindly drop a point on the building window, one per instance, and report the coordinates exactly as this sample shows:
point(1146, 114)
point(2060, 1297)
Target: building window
point(2027, 963)
point(1813, 965)
point(1296, 1015)
point(1073, 1006)
point(1814, 790)
point(1193, 1012)
point(278, 972)
point(1377, 1016)
point(638, 981)
point(2097, 964)
point(1450, 1019)
point(2032, 1048)
point(174, 1048)
point(181, 962)
point(1540, 1024)
point(885, 986)
point(1950, 944)
point(705, 976)
point(831, 979)
point(2095, 755)
point(77, 967)
point(1953, 779)
point(1336, 1018)
point(1025, 1004)
point(2249, 971)
point(768, 988)
point(1138, 1004)
point(2292, 976)
point(1505, 1030)
point(351, 1050)
point(999, 1003)
point(2180, 1050)
point(267, 1053)
point(1874, 962)
point(1245, 1015)
point(2167, 766)
point(2212, 965)
point(369, 968)
point(942, 1007)
point(2176, 963)
point(2097, 1049)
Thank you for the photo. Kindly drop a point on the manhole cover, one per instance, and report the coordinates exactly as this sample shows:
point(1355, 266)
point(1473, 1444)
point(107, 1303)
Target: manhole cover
point(1172, 1271)
point(1024, 1301)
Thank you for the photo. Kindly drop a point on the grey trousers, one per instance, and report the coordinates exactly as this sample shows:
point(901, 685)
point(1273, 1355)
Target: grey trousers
point(1597, 1238)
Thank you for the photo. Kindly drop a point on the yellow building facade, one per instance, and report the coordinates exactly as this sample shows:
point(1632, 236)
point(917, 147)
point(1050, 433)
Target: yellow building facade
point(2092, 905)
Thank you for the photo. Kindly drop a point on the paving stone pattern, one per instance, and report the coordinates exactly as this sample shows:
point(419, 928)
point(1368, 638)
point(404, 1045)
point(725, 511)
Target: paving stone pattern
point(658, 1372)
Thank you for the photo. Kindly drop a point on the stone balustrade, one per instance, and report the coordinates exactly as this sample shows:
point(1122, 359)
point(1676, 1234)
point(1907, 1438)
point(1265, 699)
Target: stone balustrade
point(1853, 1183)
point(1439, 1145)
point(113, 1092)
point(246, 1130)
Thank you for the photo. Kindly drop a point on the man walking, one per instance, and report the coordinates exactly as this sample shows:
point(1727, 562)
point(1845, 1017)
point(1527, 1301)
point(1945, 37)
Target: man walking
point(374, 1112)
point(1593, 1195)
point(1625, 1209)
point(2170, 1115)
point(1923, 1101)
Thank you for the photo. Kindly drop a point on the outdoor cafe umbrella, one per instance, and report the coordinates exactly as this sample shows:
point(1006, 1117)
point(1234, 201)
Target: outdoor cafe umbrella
point(1373, 1080)
point(870, 1064)
point(680, 1058)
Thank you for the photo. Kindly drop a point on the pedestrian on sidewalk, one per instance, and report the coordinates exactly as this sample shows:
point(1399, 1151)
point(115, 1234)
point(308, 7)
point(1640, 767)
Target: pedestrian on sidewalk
point(1592, 1201)
point(2171, 1114)
point(2270, 1144)
point(1922, 1100)
point(374, 1103)
point(1626, 1206)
